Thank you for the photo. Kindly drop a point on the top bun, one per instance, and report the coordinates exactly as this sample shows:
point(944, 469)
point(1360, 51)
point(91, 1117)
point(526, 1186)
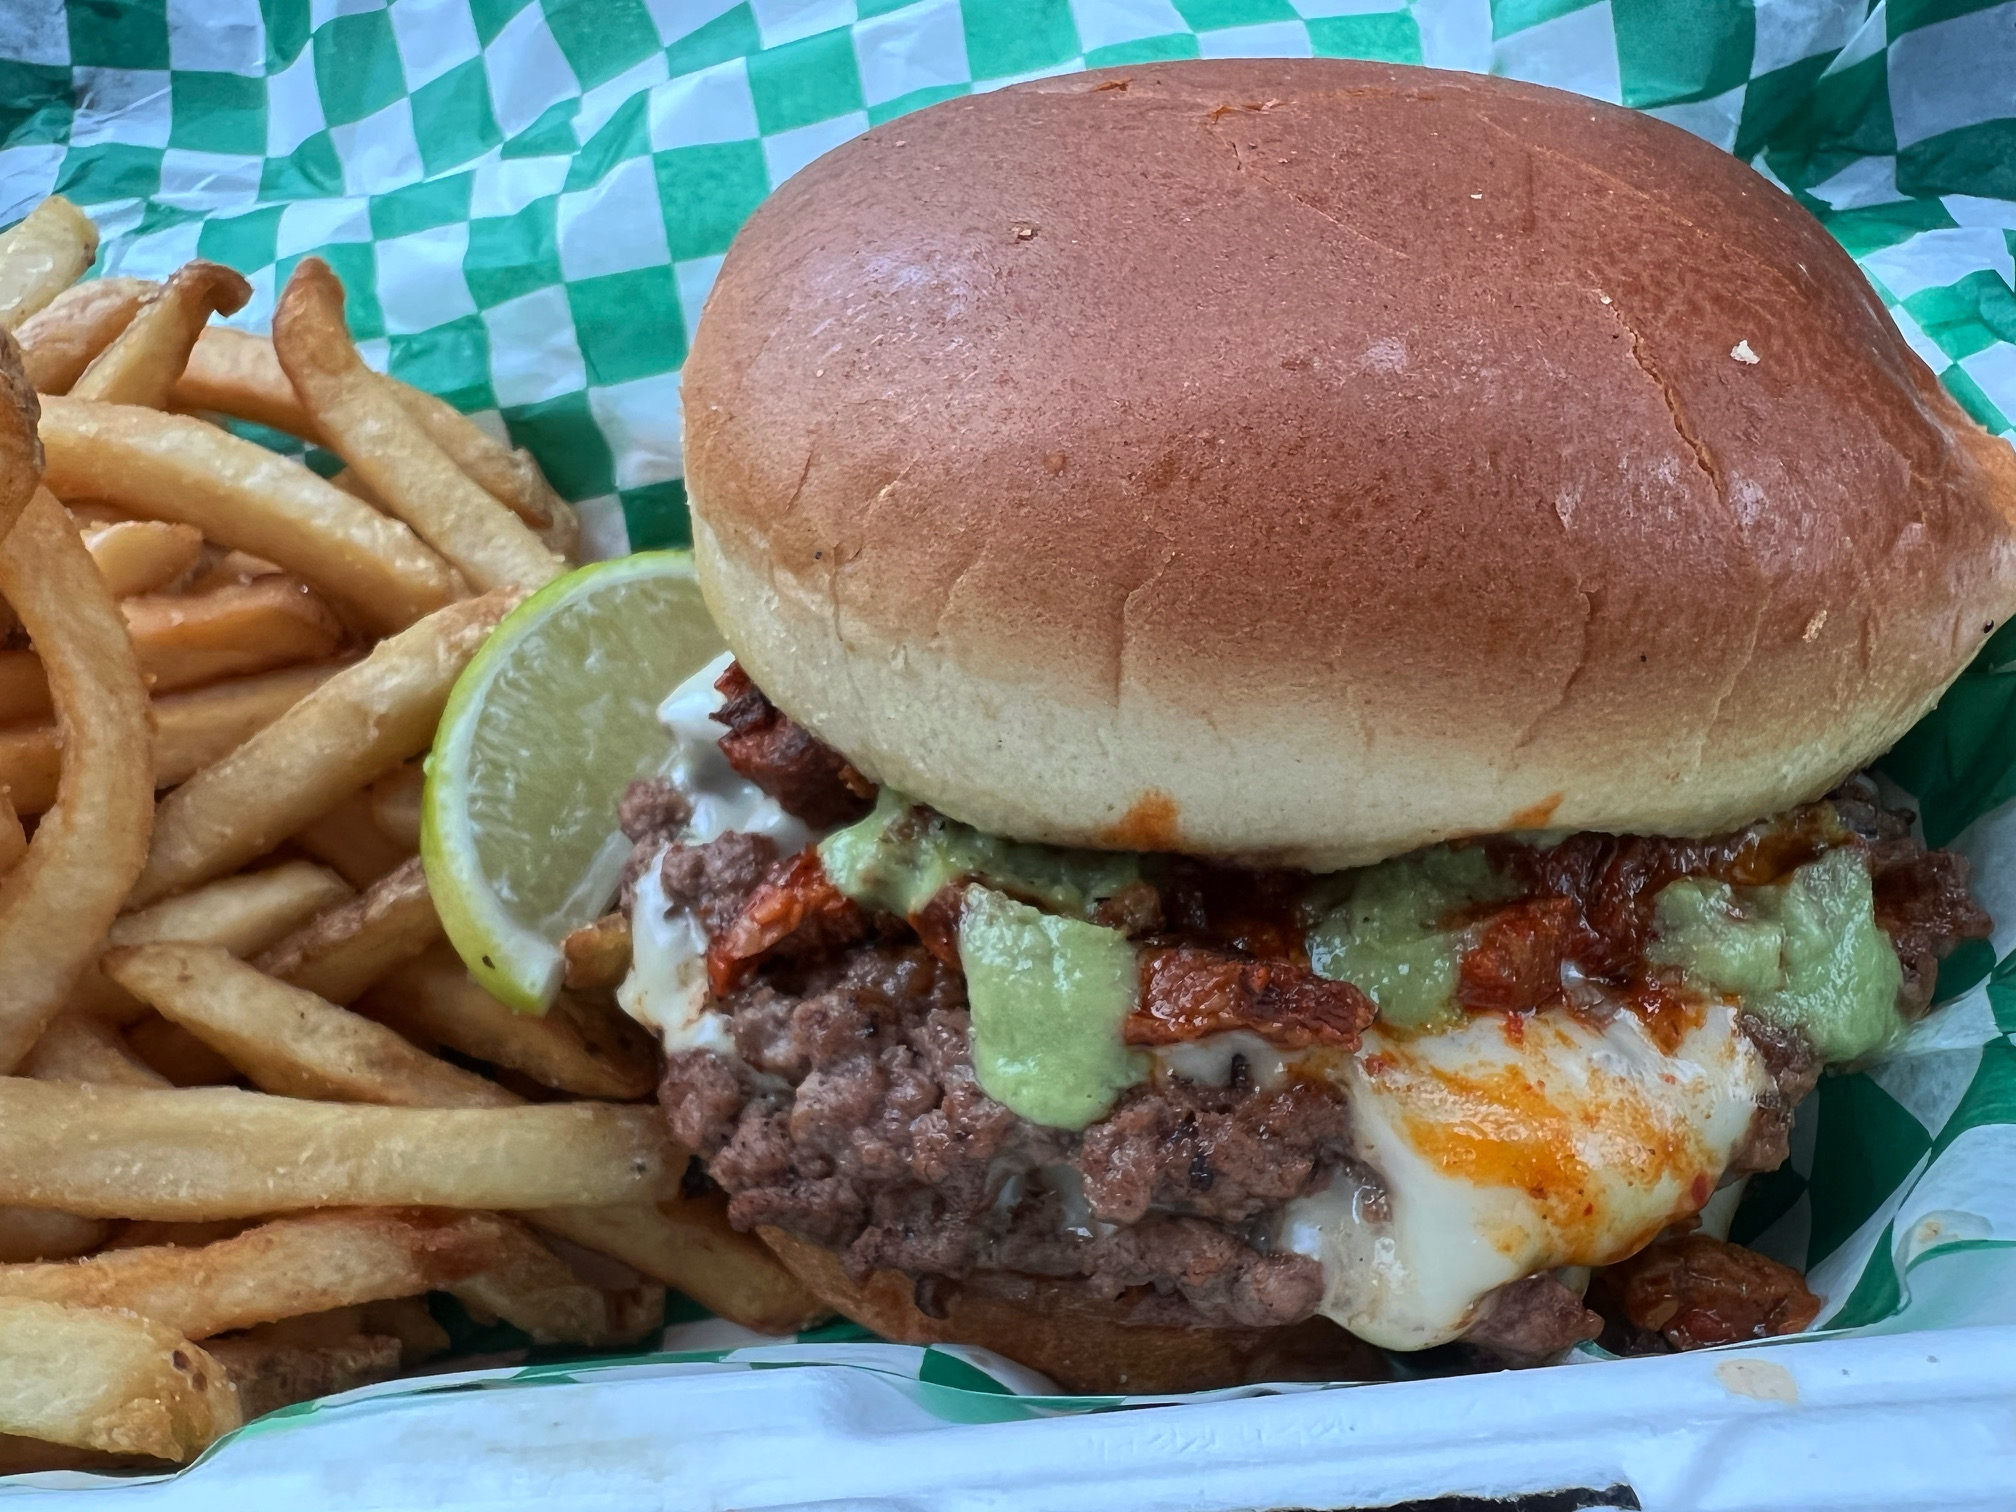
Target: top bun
point(1306, 461)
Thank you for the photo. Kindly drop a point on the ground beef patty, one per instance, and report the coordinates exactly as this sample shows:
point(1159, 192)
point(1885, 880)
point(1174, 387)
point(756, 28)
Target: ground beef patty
point(855, 1120)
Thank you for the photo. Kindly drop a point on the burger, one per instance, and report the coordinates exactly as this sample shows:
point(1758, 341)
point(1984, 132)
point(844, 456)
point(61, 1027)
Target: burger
point(1306, 638)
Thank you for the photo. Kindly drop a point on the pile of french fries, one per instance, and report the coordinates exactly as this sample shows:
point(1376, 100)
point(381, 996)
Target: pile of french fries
point(253, 1110)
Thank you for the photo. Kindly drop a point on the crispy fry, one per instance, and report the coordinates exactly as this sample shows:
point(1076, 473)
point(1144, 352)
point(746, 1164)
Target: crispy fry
point(534, 1290)
point(46, 1234)
point(192, 730)
point(338, 954)
point(20, 449)
point(191, 1235)
point(56, 904)
point(243, 914)
point(109, 1380)
point(58, 343)
point(347, 838)
point(407, 1320)
point(269, 1376)
point(289, 1041)
point(511, 477)
point(574, 1046)
point(359, 725)
point(395, 805)
point(216, 1153)
point(367, 423)
point(13, 838)
point(87, 1051)
point(27, 1456)
point(180, 1057)
point(43, 256)
point(235, 373)
point(142, 556)
point(598, 953)
point(690, 1246)
point(143, 362)
point(171, 467)
point(230, 569)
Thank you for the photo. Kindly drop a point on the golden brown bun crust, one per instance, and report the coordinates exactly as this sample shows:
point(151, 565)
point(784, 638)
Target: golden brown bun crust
point(1317, 459)
point(1083, 1351)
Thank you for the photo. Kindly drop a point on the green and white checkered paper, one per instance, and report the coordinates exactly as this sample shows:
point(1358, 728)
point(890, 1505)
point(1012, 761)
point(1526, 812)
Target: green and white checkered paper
point(528, 201)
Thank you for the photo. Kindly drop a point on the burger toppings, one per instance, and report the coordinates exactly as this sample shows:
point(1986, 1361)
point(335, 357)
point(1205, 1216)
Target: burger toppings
point(1692, 1291)
point(1398, 1095)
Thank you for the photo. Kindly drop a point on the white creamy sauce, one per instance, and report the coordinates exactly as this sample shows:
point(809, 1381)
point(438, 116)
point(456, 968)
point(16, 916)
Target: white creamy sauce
point(667, 985)
point(1500, 1155)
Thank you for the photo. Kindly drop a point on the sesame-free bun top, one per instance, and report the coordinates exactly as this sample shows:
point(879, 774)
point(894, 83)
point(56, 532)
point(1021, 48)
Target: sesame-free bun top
point(1309, 460)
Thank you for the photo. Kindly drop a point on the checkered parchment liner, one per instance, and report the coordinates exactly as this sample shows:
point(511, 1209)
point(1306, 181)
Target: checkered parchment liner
point(528, 200)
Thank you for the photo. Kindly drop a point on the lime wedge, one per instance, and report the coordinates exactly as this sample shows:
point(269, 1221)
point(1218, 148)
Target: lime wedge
point(556, 714)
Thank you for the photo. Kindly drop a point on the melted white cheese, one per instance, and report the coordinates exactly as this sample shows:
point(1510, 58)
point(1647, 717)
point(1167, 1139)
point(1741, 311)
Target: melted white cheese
point(667, 985)
point(1208, 1061)
point(1498, 1154)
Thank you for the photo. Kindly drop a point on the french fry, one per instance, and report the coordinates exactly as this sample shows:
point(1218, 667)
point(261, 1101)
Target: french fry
point(58, 342)
point(192, 731)
point(368, 425)
point(289, 1041)
point(242, 914)
point(598, 953)
point(46, 1234)
point(13, 838)
point(178, 1056)
point(185, 640)
point(110, 1152)
point(235, 373)
point(691, 1247)
point(511, 477)
point(269, 1376)
point(86, 1051)
point(357, 726)
point(43, 256)
point(109, 1380)
point(144, 360)
point(348, 840)
point(142, 556)
point(408, 1320)
point(339, 954)
point(27, 1456)
point(534, 1290)
point(395, 805)
point(20, 450)
point(190, 1235)
point(56, 904)
point(172, 467)
point(574, 1046)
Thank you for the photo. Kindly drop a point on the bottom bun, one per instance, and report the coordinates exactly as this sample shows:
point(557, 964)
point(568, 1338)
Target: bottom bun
point(1081, 1345)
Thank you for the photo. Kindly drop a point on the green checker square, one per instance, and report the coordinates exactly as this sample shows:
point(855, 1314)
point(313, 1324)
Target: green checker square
point(732, 34)
point(627, 324)
point(510, 255)
point(451, 359)
point(217, 112)
point(1877, 1294)
point(1968, 316)
point(1015, 39)
point(118, 33)
point(245, 242)
point(552, 135)
point(917, 99)
point(1667, 53)
point(1846, 117)
point(357, 69)
point(1215, 15)
point(1871, 228)
point(656, 517)
point(321, 462)
point(1953, 759)
point(310, 171)
point(812, 79)
point(1974, 399)
point(266, 436)
point(1772, 98)
point(706, 193)
point(109, 171)
point(1989, 1099)
point(1383, 37)
point(1902, 16)
point(2002, 994)
point(452, 119)
point(354, 263)
point(570, 446)
point(625, 135)
point(287, 29)
point(491, 16)
point(35, 103)
point(1960, 972)
point(601, 38)
point(421, 206)
point(1867, 1145)
point(1509, 16)
point(1166, 48)
point(1978, 160)
point(1767, 1197)
point(160, 217)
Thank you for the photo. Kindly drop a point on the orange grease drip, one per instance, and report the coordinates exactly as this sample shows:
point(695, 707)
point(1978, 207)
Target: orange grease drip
point(1535, 815)
point(1149, 825)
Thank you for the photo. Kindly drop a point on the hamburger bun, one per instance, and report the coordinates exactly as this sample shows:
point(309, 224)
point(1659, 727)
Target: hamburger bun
point(1307, 461)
